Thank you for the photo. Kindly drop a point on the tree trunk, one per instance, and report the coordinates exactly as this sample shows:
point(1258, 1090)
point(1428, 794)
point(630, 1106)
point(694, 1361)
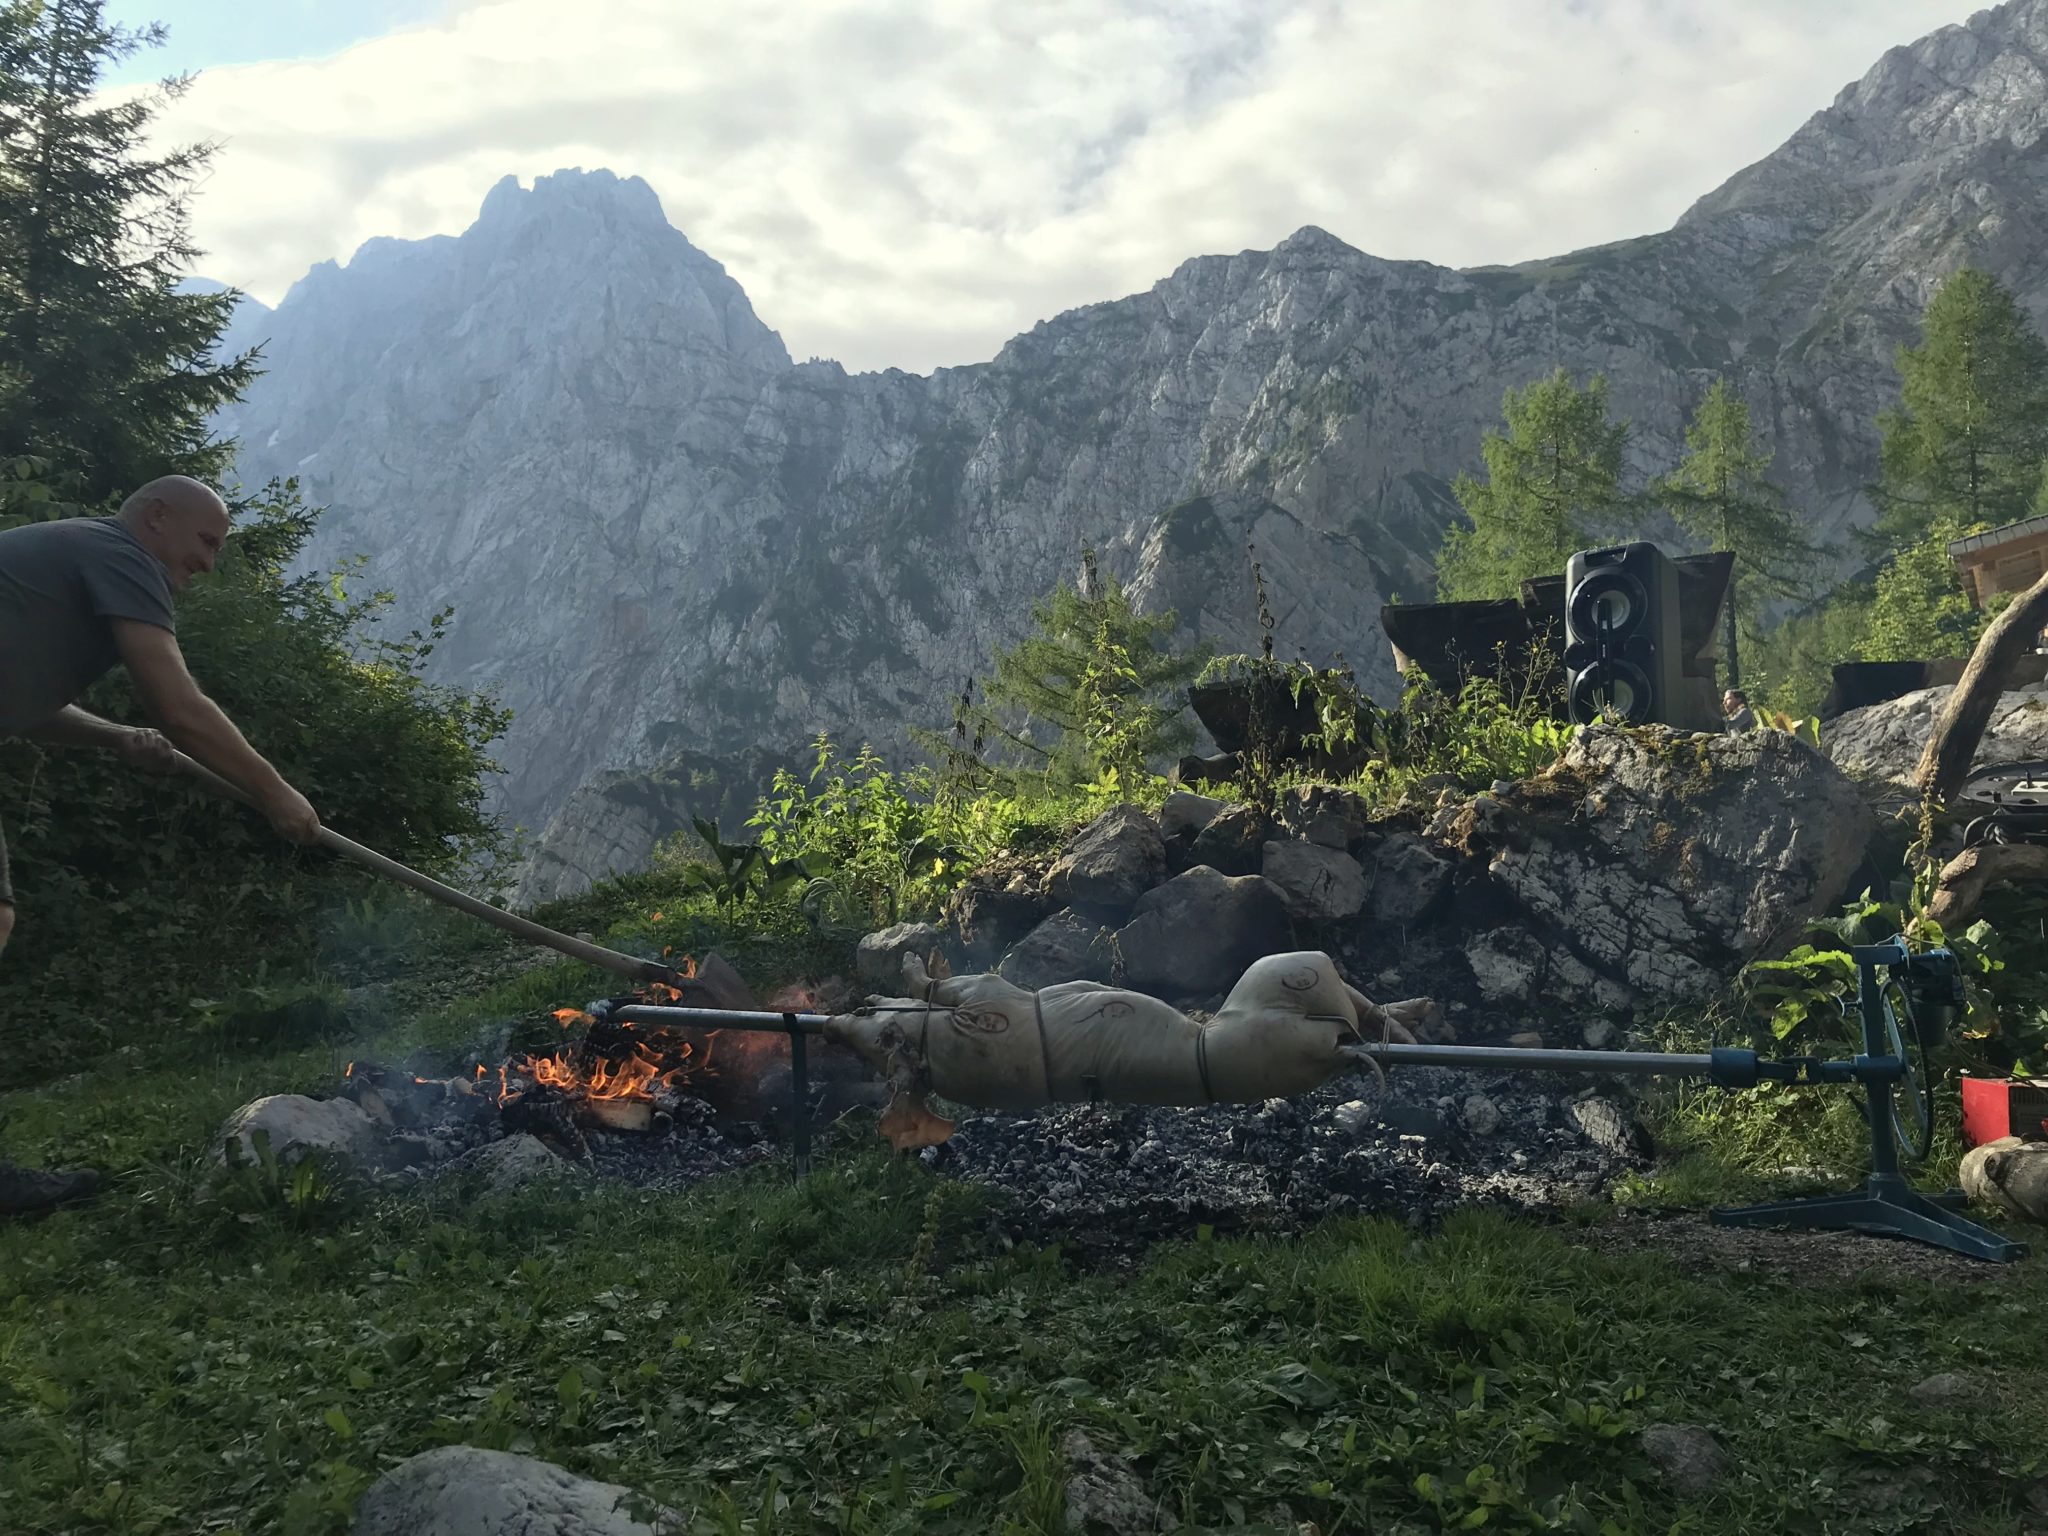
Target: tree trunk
point(1734, 666)
point(1960, 727)
point(1965, 878)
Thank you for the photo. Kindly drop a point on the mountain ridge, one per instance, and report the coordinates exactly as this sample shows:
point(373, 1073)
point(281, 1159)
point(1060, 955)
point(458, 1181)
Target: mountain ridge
point(658, 532)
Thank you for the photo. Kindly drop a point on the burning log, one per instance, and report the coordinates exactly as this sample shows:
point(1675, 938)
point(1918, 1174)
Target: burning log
point(549, 1114)
point(1289, 1025)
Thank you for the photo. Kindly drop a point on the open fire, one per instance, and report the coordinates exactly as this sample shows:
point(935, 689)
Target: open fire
point(609, 1076)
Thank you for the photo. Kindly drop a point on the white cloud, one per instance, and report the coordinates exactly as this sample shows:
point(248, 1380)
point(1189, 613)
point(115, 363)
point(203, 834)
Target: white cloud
point(911, 182)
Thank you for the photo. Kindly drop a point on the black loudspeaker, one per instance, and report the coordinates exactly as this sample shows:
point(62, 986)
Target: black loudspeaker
point(1621, 646)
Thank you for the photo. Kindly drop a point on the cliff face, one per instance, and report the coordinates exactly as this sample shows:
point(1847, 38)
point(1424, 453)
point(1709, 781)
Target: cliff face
point(659, 535)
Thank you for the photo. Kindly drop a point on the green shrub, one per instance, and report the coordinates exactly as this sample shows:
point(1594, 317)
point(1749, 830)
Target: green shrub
point(139, 892)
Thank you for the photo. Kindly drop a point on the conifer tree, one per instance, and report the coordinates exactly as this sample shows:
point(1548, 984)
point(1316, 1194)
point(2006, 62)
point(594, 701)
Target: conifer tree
point(1102, 675)
point(105, 367)
point(1967, 443)
point(1553, 486)
point(1721, 492)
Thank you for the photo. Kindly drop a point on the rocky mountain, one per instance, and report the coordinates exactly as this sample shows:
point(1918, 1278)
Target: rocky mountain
point(662, 537)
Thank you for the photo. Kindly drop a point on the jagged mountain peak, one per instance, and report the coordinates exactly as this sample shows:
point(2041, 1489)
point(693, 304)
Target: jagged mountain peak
point(601, 194)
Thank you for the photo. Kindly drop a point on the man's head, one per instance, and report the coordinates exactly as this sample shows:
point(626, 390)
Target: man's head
point(1734, 699)
point(180, 521)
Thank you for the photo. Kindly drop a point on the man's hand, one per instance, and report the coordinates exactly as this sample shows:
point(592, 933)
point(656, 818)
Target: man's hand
point(292, 814)
point(150, 751)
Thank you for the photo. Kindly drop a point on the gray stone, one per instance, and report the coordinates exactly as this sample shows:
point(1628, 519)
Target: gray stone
point(1320, 885)
point(1611, 1128)
point(1661, 863)
point(1526, 1040)
point(1949, 1389)
point(878, 960)
point(1198, 932)
point(1409, 880)
point(1601, 1035)
point(1233, 843)
point(461, 1490)
point(1065, 947)
point(1354, 1117)
point(1110, 863)
point(1689, 1456)
point(1104, 1496)
point(1185, 814)
point(1325, 814)
point(1883, 742)
point(512, 1164)
point(1481, 1116)
point(298, 1126)
point(995, 906)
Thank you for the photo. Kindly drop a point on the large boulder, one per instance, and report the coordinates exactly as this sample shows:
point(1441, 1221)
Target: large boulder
point(1067, 946)
point(299, 1127)
point(1110, 863)
point(462, 1490)
point(1408, 879)
point(1882, 743)
point(1196, 933)
point(1325, 814)
point(997, 905)
point(1234, 841)
point(1321, 885)
point(1648, 865)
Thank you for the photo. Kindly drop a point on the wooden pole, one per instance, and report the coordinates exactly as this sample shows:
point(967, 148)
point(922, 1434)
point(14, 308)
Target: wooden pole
point(462, 901)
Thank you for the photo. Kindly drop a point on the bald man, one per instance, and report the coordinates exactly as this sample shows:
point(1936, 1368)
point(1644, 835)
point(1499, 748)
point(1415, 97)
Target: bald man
point(77, 596)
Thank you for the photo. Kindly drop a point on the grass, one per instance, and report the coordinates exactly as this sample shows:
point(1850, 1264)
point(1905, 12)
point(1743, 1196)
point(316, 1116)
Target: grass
point(864, 1353)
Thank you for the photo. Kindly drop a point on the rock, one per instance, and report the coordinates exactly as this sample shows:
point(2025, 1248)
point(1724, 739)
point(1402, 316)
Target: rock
point(1526, 1040)
point(1882, 743)
point(2008, 1174)
point(1601, 1035)
point(1320, 885)
point(879, 959)
point(1325, 815)
point(1408, 880)
point(299, 1126)
point(1104, 1496)
point(1354, 1117)
point(1661, 863)
point(1947, 1389)
point(1506, 963)
point(1110, 863)
point(461, 1490)
point(1185, 814)
point(1233, 843)
point(512, 1164)
point(1065, 947)
point(1689, 1457)
point(1198, 932)
point(1480, 1114)
point(1611, 1128)
point(997, 905)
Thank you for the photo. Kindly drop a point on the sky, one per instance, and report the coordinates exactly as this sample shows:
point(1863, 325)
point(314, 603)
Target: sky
point(909, 183)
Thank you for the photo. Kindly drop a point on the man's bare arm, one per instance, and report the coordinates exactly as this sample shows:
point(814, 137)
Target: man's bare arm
point(200, 727)
point(73, 727)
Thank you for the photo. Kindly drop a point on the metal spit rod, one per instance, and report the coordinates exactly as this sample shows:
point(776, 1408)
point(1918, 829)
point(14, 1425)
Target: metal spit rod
point(1634, 1063)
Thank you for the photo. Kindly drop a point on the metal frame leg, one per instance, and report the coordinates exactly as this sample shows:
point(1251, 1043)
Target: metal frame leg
point(800, 1091)
point(1888, 1207)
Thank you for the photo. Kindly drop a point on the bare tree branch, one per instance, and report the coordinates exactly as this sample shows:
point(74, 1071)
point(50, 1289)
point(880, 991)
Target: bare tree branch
point(1960, 727)
point(1965, 878)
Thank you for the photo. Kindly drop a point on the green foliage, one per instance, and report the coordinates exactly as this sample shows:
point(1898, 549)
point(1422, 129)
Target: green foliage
point(1553, 486)
point(1919, 610)
point(104, 366)
point(1491, 728)
point(1793, 664)
point(1102, 676)
point(154, 888)
point(1966, 446)
point(1721, 492)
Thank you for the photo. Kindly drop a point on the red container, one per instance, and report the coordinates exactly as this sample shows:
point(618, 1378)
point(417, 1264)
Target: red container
point(1998, 1106)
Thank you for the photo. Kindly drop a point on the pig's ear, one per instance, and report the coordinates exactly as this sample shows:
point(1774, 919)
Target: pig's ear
point(909, 1123)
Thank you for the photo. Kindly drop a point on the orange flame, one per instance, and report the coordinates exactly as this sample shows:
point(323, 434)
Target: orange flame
point(635, 1077)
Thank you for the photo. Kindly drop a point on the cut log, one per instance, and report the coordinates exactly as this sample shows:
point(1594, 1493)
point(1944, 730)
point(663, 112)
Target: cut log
point(1946, 761)
point(1966, 877)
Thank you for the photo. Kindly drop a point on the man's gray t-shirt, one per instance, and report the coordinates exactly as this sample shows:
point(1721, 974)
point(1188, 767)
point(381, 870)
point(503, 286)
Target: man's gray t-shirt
point(62, 585)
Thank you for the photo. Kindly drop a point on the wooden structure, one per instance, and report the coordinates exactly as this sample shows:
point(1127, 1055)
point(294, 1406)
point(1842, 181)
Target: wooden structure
point(2008, 559)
